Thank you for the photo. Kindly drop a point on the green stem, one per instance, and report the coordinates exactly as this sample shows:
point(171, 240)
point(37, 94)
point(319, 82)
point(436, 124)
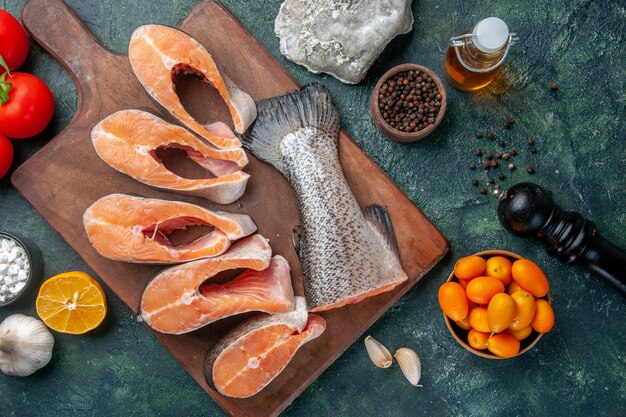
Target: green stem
point(5, 86)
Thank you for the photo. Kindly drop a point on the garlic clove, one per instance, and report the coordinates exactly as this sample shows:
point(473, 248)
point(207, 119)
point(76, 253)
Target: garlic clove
point(378, 353)
point(25, 345)
point(410, 364)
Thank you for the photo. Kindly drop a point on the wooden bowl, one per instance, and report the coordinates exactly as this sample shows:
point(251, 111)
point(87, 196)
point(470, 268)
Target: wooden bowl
point(461, 335)
point(391, 132)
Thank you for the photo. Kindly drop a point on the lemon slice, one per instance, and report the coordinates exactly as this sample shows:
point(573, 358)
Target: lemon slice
point(72, 302)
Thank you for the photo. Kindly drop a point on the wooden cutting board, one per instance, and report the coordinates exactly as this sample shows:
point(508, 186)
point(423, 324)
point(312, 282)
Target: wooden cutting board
point(67, 176)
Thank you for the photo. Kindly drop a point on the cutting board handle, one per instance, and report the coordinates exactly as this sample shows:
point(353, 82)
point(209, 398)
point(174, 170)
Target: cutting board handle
point(55, 26)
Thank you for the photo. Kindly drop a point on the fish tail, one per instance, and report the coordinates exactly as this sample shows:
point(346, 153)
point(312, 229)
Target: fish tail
point(378, 218)
point(279, 116)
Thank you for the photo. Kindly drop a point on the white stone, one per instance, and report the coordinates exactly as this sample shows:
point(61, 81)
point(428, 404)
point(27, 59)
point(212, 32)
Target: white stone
point(340, 37)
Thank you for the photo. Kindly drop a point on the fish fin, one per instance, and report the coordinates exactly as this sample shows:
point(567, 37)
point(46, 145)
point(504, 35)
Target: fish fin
point(378, 218)
point(296, 239)
point(279, 116)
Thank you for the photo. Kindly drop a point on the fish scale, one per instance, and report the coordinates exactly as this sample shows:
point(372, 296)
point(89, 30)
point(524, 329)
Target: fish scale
point(346, 255)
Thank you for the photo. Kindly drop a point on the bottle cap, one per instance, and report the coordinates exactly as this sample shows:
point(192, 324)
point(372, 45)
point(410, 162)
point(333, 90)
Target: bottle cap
point(490, 34)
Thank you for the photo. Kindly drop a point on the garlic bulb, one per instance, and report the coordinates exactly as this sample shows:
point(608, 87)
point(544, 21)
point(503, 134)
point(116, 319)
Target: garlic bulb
point(25, 345)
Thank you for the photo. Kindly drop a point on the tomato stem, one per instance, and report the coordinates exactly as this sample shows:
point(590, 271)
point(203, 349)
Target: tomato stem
point(5, 86)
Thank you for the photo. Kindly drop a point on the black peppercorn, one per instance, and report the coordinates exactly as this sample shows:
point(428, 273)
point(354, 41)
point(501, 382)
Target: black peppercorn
point(491, 181)
point(553, 86)
point(478, 134)
point(494, 163)
point(513, 152)
point(530, 141)
point(533, 150)
point(501, 143)
point(491, 136)
point(488, 155)
point(501, 176)
point(472, 166)
point(483, 191)
point(498, 155)
point(408, 105)
point(505, 156)
point(478, 152)
point(509, 122)
point(530, 170)
point(511, 166)
point(485, 165)
point(474, 182)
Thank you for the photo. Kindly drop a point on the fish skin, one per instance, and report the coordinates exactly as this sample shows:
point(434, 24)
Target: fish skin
point(298, 321)
point(118, 227)
point(345, 255)
point(127, 140)
point(174, 302)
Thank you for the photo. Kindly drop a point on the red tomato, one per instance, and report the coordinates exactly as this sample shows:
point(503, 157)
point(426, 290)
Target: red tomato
point(29, 109)
point(13, 40)
point(6, 155)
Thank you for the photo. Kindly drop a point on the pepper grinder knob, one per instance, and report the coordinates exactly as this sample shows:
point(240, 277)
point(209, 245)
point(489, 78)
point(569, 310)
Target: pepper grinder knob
point(529, 210)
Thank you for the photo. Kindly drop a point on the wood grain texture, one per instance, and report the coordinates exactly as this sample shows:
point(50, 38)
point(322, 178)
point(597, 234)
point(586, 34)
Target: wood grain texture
point(66, 176)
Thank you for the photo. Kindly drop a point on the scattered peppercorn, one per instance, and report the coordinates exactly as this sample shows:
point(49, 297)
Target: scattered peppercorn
point(491, 181)
point(497, 186)
point(530, 141)
point(491, 136)
point(501, 176)
point(485, 165)
point(478, 134)
point(553, 86)
point(511, 166)
point(501, 143)
point(483, 191)
point(498, 155)
point(533, 150)
point(475, 182)
point(409, 101)
point(530, 170)
point(478, 152)
point(488, 155)
point(472, 166)
point(494, 163)
point(513, 152)
point(509, 122)
point(505, 156)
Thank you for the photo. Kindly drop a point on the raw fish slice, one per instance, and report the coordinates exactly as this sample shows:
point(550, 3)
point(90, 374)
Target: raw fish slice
point(346, 254)
point(248, 358)
point(127, 140)
point(136, 229)
point(157, 52)
point(178, 300)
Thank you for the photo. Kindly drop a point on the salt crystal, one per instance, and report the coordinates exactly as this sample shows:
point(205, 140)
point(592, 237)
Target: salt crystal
point(3, 268)
point(2, 298)
point(3, 289)
point(13, 255)
point(7, 280)
point(13, 269)
point(18, 287)
point(22, 275)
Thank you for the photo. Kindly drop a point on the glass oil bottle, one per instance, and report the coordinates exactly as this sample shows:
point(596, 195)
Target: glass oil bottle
point(475, 57)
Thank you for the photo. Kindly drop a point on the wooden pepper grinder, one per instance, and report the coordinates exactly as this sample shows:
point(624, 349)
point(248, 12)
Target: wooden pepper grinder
point(527, 209)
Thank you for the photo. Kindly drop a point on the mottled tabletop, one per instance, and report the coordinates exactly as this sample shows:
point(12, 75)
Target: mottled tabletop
point(577, 369)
